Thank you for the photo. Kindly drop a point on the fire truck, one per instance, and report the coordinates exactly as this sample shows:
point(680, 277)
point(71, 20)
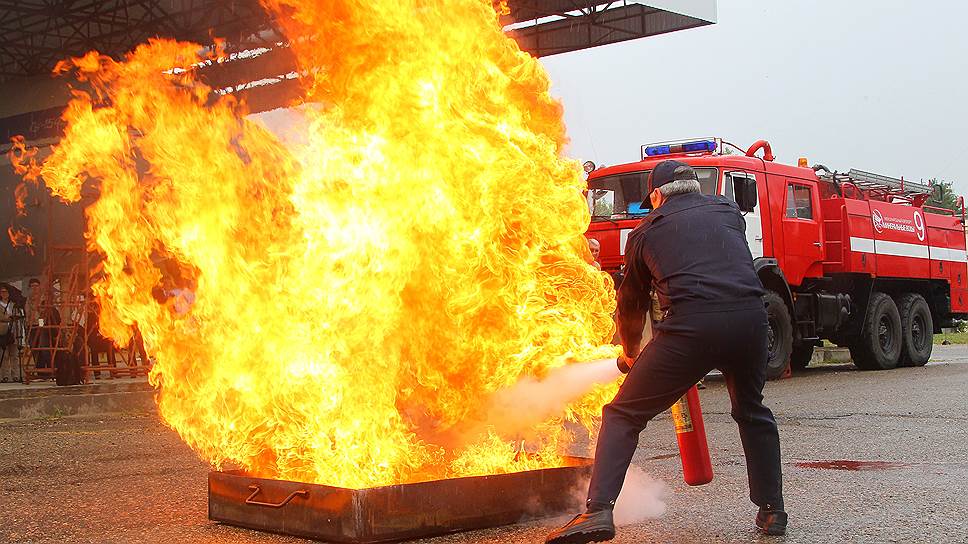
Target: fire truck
point(855, 258)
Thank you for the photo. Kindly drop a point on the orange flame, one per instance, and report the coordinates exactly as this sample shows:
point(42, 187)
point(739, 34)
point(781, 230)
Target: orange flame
point(24, 162)
point(335, 311)
point(20, 238)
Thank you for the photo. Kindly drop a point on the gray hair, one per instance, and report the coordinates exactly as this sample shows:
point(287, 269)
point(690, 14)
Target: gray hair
point(679, 187)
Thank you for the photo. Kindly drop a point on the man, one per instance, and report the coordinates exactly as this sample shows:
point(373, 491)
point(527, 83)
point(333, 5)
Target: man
point(37, 316)
point(33, 300)
point(691, 251)
point(9, 361)
point(595, 247)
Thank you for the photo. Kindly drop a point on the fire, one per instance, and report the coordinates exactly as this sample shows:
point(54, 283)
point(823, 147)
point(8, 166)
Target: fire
point(345, 306)
point(20, 238)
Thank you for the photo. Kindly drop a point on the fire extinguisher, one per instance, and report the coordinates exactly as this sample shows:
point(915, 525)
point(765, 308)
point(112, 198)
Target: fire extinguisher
point(697, 468)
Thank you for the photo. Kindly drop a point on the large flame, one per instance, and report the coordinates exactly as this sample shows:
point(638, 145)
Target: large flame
point(357, 299)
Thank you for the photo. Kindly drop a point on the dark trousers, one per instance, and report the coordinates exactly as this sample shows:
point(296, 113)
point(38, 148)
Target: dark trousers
point(40, 338)
point(685, 348)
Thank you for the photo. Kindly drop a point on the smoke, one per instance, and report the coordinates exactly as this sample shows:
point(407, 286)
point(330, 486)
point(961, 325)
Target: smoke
point(641, 498)
point(529, 402)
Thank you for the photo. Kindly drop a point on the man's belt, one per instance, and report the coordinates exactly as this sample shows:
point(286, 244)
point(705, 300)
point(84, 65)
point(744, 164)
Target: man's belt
point(703, 306)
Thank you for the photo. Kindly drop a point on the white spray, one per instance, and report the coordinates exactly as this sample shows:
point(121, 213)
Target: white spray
point(525, 404)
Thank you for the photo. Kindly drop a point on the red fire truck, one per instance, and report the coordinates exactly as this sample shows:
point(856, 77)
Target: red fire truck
point(856, 258)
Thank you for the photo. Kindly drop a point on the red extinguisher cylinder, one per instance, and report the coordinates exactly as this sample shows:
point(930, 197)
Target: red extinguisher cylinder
point(697, 467)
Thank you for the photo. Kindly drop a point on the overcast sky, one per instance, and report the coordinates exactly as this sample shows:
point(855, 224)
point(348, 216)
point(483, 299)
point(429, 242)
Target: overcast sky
point(880, 86)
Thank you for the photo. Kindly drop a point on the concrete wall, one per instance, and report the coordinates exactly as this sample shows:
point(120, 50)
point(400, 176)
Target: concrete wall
point(67, 227)
point(32, 94)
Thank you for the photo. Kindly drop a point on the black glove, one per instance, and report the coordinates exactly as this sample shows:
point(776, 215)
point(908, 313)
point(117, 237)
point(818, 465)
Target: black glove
point(623, 364)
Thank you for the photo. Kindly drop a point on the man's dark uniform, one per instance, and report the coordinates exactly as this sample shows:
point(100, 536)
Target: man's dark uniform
point(692, 253)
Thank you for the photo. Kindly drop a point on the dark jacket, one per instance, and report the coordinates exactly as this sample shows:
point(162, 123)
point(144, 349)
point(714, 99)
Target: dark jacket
point(692, 253)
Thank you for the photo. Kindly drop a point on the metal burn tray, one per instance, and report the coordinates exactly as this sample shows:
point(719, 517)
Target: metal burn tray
point(396, 512)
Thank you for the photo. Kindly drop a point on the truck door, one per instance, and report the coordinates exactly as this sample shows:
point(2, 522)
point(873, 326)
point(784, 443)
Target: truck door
point(754, 225)
point(801, 232)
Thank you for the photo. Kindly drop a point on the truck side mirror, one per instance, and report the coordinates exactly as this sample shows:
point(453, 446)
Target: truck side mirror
point(744, 190)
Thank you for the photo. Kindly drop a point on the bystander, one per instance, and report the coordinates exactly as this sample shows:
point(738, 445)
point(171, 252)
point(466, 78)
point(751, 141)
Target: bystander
point(9, 356)
point(39, 317)
point(595, 247)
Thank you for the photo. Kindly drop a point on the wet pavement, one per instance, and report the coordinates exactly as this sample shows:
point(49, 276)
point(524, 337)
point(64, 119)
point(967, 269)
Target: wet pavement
point(868, 457)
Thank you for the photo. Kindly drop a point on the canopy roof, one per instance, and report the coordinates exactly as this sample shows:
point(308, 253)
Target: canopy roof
point(35, 34)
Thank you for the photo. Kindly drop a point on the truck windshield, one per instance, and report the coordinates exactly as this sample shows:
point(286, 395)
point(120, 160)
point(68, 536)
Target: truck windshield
point(621, 196)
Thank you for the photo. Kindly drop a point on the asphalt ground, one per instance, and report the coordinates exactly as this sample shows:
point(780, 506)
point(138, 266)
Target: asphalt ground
point(123, 478)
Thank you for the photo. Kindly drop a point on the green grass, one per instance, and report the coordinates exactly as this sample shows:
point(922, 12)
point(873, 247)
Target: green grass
point(952, 337)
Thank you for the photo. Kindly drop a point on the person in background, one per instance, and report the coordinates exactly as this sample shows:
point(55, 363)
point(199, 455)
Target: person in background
point(9, 359)
point(33, 301)
point(39, 338)
point(179, 291)
point(596, 248)
point(183, 297)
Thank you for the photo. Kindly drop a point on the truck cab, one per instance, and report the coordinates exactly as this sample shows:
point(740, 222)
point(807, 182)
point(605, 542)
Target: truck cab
point(841, 256)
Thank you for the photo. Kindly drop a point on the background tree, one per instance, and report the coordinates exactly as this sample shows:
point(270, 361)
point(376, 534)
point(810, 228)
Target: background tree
point(943, 196)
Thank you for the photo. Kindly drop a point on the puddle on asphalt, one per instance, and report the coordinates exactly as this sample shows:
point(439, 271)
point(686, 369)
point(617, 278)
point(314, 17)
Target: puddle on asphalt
point(845, 464)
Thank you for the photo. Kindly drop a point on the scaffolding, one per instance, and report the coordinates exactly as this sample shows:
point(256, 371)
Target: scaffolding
point(61, 340)
point(55, 318)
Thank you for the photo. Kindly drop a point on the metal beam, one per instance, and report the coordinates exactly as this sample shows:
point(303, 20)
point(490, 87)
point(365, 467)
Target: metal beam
point(595, 28)
point(35, 35)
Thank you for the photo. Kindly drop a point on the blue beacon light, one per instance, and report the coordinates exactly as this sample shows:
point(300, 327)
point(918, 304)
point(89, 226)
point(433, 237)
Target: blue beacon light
point(688, 147)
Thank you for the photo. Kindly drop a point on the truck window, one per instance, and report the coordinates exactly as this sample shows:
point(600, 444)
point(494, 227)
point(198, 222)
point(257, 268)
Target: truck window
point(618, 195)
point(623, 195)
point(601, 202)
point(799, 203)
point(707, 180)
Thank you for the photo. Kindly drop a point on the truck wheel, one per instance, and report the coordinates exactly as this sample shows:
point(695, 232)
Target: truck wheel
point(917, 330)
point(879, 345)
point(779, 337)
point(801, 356)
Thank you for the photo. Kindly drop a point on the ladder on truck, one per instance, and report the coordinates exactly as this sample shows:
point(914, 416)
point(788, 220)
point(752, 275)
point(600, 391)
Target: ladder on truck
point(879, 187)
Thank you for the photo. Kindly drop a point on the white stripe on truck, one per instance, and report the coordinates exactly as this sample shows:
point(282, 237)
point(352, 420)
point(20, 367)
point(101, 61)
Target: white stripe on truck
point(948, 254)
point(900, 249)
point(863, 245)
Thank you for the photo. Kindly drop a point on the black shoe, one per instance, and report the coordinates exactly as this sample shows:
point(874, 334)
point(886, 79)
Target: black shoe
point(584, 528)
point(771, 521)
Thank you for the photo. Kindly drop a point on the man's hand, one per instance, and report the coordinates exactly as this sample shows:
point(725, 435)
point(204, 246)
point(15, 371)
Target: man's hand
point(624, 363)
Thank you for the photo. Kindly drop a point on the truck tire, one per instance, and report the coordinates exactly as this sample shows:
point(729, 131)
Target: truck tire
point(916, 330)
point(801, 356)
point(879, 345)
point(779, 337)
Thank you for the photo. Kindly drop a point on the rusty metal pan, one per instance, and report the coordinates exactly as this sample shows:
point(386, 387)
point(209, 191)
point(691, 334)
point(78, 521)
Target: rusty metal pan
point(396, 512)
